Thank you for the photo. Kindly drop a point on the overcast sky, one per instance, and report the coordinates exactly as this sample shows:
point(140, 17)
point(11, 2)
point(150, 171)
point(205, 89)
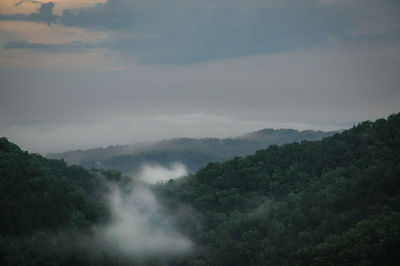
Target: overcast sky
point(88, 73)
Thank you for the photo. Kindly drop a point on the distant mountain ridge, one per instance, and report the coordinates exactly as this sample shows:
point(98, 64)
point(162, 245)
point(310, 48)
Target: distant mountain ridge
point(194, 153)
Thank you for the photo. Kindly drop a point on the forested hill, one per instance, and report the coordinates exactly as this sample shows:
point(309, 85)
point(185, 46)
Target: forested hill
point(329, 202)
point(194, 153)
point(40, 200)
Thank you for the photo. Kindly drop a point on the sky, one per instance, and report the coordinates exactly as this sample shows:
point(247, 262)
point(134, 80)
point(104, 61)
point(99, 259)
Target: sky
point(88, 73)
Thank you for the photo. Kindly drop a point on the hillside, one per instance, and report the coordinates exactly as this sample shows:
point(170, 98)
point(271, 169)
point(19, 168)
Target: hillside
point(194, 153)
point(41, 200)
point(329, 202)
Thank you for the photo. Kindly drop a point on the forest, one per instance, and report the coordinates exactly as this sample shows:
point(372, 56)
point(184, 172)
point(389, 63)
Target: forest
point(334, 201)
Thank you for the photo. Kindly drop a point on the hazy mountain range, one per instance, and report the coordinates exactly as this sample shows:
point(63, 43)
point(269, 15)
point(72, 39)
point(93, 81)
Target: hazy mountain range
point(193, 153)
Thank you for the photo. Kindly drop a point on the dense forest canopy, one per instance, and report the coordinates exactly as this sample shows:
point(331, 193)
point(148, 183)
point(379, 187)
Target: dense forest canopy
point(330, 202)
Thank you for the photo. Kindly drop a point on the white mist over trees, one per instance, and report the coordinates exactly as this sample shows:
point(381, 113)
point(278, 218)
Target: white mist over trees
point(139, 226)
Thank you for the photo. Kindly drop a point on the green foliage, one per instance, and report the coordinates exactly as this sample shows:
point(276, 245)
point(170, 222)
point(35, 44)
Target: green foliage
point(329, 202)
point(40, 199)
point(373, 241)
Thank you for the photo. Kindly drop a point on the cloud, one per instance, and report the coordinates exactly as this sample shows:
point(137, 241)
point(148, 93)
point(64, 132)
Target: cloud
point(40, 136)
point(70, 47)
point(182, 32)
point(114, 14)
point(26, 1)
point(45, 13)
point(178, 32)
point(18, 17)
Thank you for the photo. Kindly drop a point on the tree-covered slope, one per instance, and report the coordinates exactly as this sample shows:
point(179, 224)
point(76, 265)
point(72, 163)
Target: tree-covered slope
point(31, 187)
point(41, 200)
point(329, 202)
point(194, 153)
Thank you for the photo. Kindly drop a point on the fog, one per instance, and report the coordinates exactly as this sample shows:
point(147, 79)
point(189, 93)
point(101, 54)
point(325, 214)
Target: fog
point(140, 227)
point(156, 173)
point(45, 137)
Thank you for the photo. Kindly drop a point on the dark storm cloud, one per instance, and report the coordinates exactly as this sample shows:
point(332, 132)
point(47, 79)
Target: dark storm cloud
point(227, 34)
point(176, 32)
